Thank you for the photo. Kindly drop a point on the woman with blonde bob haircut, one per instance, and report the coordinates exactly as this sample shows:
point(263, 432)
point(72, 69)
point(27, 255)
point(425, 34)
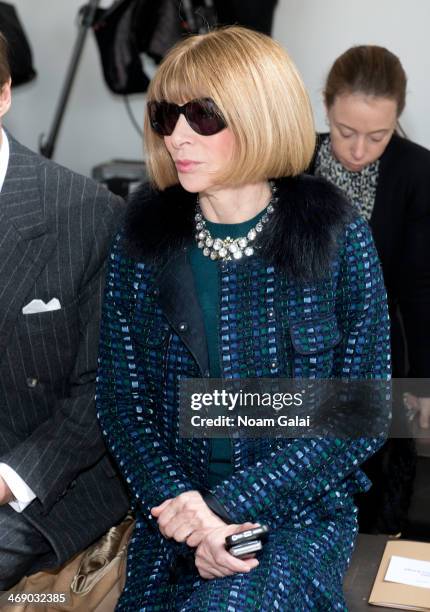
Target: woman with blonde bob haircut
point(259, 92)
point(232, 264)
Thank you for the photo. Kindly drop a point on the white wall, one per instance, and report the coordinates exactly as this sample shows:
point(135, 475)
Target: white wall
point(96, 127)
point(315, 32)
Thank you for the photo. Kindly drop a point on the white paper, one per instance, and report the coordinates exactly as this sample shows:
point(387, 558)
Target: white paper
point(36, 306)
point(408, 571)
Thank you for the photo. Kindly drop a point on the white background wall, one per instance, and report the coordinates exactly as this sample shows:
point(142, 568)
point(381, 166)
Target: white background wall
point(315, 32)
point(96, 127)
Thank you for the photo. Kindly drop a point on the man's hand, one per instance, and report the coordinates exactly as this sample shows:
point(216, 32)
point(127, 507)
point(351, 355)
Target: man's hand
point(186, 515)
point(420, 406)
point(6, 494)
point(214, 561)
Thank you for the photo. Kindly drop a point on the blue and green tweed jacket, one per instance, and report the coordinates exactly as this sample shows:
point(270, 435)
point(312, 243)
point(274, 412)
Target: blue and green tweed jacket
point(312, 304)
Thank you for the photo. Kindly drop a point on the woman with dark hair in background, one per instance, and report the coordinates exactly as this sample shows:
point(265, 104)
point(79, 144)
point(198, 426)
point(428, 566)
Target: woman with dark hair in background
point(387, 178)
point(232, 265)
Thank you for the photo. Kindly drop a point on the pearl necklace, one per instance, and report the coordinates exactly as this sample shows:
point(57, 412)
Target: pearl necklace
point(231, 248)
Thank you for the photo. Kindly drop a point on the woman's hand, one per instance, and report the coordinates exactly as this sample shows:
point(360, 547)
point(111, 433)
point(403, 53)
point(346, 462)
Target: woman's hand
point(185, 515)
point(214, 561)
point(420, 406)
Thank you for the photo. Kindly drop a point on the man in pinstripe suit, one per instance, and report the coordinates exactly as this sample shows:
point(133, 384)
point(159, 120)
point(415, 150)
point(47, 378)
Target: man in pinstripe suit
point(58, 489)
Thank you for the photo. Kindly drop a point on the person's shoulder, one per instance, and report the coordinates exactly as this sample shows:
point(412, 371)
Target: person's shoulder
point(307, 226)
point(320, 137)
point(307, 194)
point(158, 222)
point(68, 188)
point(406, 153)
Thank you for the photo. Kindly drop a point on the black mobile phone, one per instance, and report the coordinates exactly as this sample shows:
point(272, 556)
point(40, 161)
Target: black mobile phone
point(258, 533)
point(245, 549)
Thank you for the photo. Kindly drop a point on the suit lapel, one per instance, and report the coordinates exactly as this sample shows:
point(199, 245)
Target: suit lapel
point(180, 304)
point(25, 243)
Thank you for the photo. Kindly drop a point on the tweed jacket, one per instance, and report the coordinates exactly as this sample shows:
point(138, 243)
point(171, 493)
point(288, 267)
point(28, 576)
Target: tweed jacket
point(56, 229)
point(312, 304)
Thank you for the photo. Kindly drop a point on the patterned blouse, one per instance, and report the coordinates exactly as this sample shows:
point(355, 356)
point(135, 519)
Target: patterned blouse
point(358, 187)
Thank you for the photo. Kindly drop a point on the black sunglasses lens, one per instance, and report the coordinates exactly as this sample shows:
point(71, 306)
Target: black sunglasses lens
point(204, 117)
point(163, 117)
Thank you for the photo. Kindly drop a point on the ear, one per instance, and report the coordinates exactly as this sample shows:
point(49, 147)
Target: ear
point(5, 98)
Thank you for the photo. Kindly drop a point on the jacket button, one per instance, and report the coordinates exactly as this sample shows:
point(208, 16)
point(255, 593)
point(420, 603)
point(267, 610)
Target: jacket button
point(156, 292)
point(271, 313)
point(183, 326)
point(32, 382)
point(274, 364)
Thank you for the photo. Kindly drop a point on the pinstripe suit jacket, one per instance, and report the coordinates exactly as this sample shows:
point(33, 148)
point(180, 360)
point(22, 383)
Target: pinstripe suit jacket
point(55, 229)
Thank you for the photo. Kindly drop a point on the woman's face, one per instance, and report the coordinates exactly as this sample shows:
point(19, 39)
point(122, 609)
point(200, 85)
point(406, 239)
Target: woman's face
point(199, 160)
point(360, 128)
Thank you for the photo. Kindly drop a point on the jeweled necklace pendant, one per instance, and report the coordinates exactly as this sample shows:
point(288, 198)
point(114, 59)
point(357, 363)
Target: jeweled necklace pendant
point(231, 248)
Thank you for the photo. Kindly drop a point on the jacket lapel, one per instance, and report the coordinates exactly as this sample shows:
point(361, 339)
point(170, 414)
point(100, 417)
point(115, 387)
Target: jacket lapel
point(179, 302)
point(25, 243)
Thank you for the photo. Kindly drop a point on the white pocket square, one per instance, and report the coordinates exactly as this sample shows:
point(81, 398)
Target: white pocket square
point(36, 306)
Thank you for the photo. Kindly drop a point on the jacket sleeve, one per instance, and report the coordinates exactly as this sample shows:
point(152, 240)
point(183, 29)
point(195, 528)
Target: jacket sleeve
point(70, 441)
point(128, 422)
point(304, 470)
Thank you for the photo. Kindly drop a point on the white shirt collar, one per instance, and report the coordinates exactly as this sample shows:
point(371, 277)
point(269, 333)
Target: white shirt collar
point(4, 157)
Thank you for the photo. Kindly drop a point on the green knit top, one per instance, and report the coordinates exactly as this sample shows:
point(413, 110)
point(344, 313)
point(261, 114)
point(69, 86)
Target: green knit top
point(206, 279)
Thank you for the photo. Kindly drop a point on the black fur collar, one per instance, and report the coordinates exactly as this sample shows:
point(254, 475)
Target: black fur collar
point(300, 237)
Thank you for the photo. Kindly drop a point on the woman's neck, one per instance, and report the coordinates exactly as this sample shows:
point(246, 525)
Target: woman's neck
point(235, 204)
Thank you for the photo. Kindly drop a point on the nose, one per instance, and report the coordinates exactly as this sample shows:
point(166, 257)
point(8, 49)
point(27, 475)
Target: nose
point(182, 133)
point(358, 149)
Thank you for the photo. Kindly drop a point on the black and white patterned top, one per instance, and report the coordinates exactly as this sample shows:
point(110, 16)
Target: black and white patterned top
point(359, 187)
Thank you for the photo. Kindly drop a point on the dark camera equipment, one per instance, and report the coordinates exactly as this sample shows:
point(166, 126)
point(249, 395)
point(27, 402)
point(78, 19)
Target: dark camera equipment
point(87, 14)
point(123, 32)
point(20, 56)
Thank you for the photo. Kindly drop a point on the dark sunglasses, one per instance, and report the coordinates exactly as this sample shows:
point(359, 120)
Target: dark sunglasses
point(202, 115)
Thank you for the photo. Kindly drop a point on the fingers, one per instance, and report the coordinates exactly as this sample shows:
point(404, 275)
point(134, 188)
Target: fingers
point(215, 569)
point(234, 564)
point(157, 510)
point(410, 401)
point(196, 537)
point(179, 517)
point(425, 417)
point(420, 406)
point(212, 559)
point(245, 526)
point(181, 533)
point(166, 516)
point(169, 524)
point(6, 494)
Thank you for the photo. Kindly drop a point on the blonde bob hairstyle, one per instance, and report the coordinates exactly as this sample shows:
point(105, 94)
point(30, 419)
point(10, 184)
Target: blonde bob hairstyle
point(260, 93)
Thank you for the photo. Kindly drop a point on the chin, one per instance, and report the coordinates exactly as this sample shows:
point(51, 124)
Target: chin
point(355, 167)
point(193, 184)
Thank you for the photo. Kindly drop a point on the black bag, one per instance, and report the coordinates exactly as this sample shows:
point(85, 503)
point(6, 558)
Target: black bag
point(20, 56)
point(254, 14)
point(115, 31)
point(129, 28)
